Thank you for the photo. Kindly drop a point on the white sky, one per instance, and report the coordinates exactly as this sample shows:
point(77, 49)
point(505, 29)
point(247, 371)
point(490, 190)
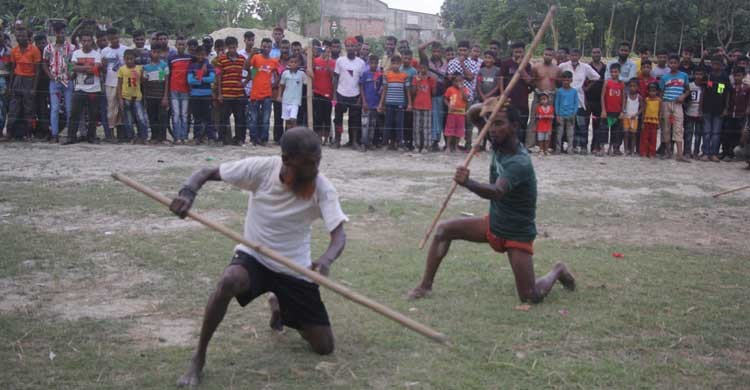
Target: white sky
point(427, 6)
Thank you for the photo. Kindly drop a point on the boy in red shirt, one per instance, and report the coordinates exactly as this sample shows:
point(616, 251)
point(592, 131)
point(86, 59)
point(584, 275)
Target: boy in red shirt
point(544, 115)
point(323, 67)
point(422, 88)
point(456, 97)
point(612, 98)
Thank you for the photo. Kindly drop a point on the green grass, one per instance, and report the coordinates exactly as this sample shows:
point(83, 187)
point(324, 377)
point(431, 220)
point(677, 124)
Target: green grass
point(661, 317)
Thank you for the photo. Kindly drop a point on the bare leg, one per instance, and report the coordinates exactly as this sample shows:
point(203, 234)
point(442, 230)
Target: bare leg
point(319, 337)
point(275, 321)
point(534, 290)
point(468, 229)
point(234, 281)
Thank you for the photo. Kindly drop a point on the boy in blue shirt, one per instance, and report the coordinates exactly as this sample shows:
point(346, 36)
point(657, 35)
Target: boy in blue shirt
point(369, 86)
point(566, 106)
point(155, 94)
point(200, 76)
point(674, 86)
point(290, 84)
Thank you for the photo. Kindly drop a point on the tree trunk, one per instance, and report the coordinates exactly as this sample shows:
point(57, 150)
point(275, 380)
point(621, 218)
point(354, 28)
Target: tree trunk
point(555, 36)
point(531, 27)
point(682, 33)
point(608, 36)
point(656, 38)
point(635, 32)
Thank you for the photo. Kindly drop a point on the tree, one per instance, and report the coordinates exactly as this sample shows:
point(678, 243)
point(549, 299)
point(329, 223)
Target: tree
point(280, 12)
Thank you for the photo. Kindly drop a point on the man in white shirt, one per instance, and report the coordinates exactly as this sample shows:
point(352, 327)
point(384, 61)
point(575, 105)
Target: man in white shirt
point(113, 57)
point(87, 65)
point(582, 73)
point(287, 195)
point(346, 84)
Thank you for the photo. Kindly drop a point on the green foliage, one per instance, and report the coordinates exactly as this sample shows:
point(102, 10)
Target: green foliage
point(585, 23)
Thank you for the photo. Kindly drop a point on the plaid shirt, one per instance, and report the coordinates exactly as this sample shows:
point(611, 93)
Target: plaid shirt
point(473, 67)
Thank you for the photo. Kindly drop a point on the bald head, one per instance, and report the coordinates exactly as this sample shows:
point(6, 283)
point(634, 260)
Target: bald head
point(300, 141)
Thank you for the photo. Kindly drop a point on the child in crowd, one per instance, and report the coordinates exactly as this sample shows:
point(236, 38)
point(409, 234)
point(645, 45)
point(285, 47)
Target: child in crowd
point(738, 111)
point(131, 98)
point(631, 112)
point(612, 98)
point(694, 114)
point(545, 113)
point(408, 68)
point(179, 90)
point(645, 78)
point(393, 101)
point(456, 99)
point(370, 84)
point(423, 86)
point(488, 79)
point(566, 105)
point(112, 59)
point(200, 76)
point(323, 70)
point(231, 93)
point(290, 84)
point(155, 75)
point(674, 86)
point(651, 115)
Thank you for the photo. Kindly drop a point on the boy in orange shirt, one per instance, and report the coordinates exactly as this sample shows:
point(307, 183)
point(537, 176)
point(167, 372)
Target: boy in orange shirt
point(264, 70)
point(422, 88)
point(25, 59)
point(456, 98)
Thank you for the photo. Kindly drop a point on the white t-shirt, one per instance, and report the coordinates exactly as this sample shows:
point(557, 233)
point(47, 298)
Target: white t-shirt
point(349, 72)
point(86, 82)
point(249, 85)
point(115, 58)
point(276, 218)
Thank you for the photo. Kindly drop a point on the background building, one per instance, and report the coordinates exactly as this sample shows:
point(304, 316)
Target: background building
point(374, 19)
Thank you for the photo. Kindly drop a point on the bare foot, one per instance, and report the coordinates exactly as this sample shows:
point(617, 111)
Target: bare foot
point(275, 322)
point(418, 293)
point(192, 377)
point(566, 278)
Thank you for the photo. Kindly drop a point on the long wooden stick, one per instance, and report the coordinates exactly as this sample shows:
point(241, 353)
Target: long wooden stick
point(730, 191)
point(310, 71)
point(498, 106)
point(275, 256)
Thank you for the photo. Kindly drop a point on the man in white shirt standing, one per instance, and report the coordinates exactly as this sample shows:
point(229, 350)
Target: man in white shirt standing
point(346, 84)
point(582, 73)
point(87, 66)
point(113, 57)
point(287, 195)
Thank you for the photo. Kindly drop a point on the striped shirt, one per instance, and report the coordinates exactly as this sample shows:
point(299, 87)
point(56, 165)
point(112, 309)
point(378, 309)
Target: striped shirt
point(397, 83)
point(231, 75)
point(673, 85)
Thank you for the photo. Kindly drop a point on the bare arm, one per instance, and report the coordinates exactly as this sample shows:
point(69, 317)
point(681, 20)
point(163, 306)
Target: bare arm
point(485, 190)
point(335, 248)
point(185, 198)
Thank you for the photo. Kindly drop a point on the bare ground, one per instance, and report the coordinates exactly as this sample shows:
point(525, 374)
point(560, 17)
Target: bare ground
point(622, 199)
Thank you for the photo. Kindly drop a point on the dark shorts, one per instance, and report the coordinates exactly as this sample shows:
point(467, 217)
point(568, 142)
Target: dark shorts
point(299, 300)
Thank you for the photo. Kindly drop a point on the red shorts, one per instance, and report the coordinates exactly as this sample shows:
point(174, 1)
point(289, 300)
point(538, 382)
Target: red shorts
point(501, 245)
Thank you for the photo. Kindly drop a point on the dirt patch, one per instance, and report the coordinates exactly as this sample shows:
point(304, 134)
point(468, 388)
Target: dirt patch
point(150, 332)
point(79, 218)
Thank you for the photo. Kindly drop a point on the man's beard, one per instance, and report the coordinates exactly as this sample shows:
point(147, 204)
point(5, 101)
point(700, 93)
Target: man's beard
point(623, 59)
point(301, 187)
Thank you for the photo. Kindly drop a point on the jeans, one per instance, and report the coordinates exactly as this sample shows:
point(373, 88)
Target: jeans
point(278, 123)
point(693, 129)
point(354, 106)
point(369, 124)
point(157, 118)
point(393, 130)
point(438, 116)
point(21, 109)
point(102, 102)
point(90, 103)
point(201, 112)
point(57, 91)
point(566, 126)
point(233, 106)
point(711, 134)
point(133, 111)
point(260, 118)
point(581, 134)
point(179, 101)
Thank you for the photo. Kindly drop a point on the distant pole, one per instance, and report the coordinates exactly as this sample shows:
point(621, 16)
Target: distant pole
point(320, 34)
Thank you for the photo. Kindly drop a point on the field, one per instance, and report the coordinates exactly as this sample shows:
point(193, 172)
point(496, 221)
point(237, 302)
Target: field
point(102, 288)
